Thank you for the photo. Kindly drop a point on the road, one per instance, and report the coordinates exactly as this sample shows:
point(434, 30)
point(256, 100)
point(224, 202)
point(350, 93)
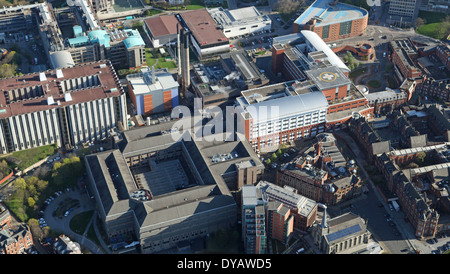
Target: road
point(384, 231)
point(62, 225)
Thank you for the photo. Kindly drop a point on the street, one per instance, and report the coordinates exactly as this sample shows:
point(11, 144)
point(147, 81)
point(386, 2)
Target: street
point(63, 224)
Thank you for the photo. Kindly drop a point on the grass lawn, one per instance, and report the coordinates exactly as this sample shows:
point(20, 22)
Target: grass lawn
point(30, 156)
point(432, 17)
point(223, 242)
point(433, 22)
point(149, 58)
point(432, 30)
point(162, 63)
point(374, 84)
point(391, 82)
point(152, 12)
point(79, 222)
point(357, 72)
point(193, 5)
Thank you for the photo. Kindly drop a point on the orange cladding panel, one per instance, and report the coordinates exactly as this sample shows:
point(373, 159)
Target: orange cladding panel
point(148, 104)
point(167, 100)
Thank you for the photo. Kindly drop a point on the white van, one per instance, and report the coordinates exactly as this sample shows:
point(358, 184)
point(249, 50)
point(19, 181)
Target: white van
point(300, 250)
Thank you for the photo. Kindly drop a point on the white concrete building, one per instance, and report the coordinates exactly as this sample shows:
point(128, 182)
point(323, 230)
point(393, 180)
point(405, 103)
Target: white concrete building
point(241, 21)
point(66, 107)
point(282, 113)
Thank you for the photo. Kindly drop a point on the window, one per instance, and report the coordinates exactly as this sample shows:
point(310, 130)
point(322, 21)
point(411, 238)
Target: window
point(325, 31)
point(345, 28)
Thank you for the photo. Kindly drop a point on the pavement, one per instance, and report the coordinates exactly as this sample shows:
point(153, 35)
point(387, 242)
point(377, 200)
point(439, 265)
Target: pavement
point(63, 225)
point(388, 242)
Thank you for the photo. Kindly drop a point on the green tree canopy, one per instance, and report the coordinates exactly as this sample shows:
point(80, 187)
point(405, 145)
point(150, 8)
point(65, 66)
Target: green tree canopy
point(20, 184)
point(31, 202)
point(420, 157)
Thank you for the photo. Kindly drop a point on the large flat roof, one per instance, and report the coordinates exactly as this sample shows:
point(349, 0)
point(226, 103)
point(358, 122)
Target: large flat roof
point(286, 106)
point(304, 205)
point(330, 14)
point(162, 25)
point(203, 27)
point(32, 90)
point(142, 83)
point(328, 77)
point(296, 41)
point(236, 17)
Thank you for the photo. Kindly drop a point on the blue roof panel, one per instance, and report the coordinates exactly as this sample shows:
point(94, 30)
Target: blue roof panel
point(78, 41)
point(343, 233)
point(134, 39)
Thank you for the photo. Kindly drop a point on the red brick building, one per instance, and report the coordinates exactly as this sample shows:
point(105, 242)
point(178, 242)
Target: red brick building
point(302, 210)
point(297, 57)
point(322, 173)
point(13, 241)
point(280, 221)
point(436, 88)
point(443, 53)
point(403, 54)
point(332, 20)
point(385, 101)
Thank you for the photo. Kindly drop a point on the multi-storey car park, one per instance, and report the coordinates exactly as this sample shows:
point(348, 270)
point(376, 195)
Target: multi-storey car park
point(162, 189)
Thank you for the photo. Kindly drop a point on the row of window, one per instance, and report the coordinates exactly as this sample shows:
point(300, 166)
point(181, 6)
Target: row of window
point(347, 244)
point(284, 138)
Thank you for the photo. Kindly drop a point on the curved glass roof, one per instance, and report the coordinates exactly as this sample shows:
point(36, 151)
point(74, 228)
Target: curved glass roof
point(134, 39)
point(100, 36)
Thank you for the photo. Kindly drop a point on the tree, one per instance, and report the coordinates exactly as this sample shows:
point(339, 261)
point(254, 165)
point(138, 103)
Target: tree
point(56, 166)
point(412, 165)
point(7, 70)
point(32, 191)
point(420, 22)
point(75, 159)
point(34, 227)
point(20, 184)
point(4, 168)
point(444, 27)
point(274, 157)
point(32, 180)
point(420, 157)
point(31, 202)
point(41, 185)
point(288, 6)
point(8, 57)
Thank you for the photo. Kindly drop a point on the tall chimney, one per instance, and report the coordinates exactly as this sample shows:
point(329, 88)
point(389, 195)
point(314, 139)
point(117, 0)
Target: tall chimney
point(324, 217)
point(178, 52)
point(184, 61)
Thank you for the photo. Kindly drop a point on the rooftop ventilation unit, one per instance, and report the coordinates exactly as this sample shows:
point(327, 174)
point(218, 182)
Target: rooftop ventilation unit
point(67, 97)
point(42, 77)
point(50, 100)
point(59, 73)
